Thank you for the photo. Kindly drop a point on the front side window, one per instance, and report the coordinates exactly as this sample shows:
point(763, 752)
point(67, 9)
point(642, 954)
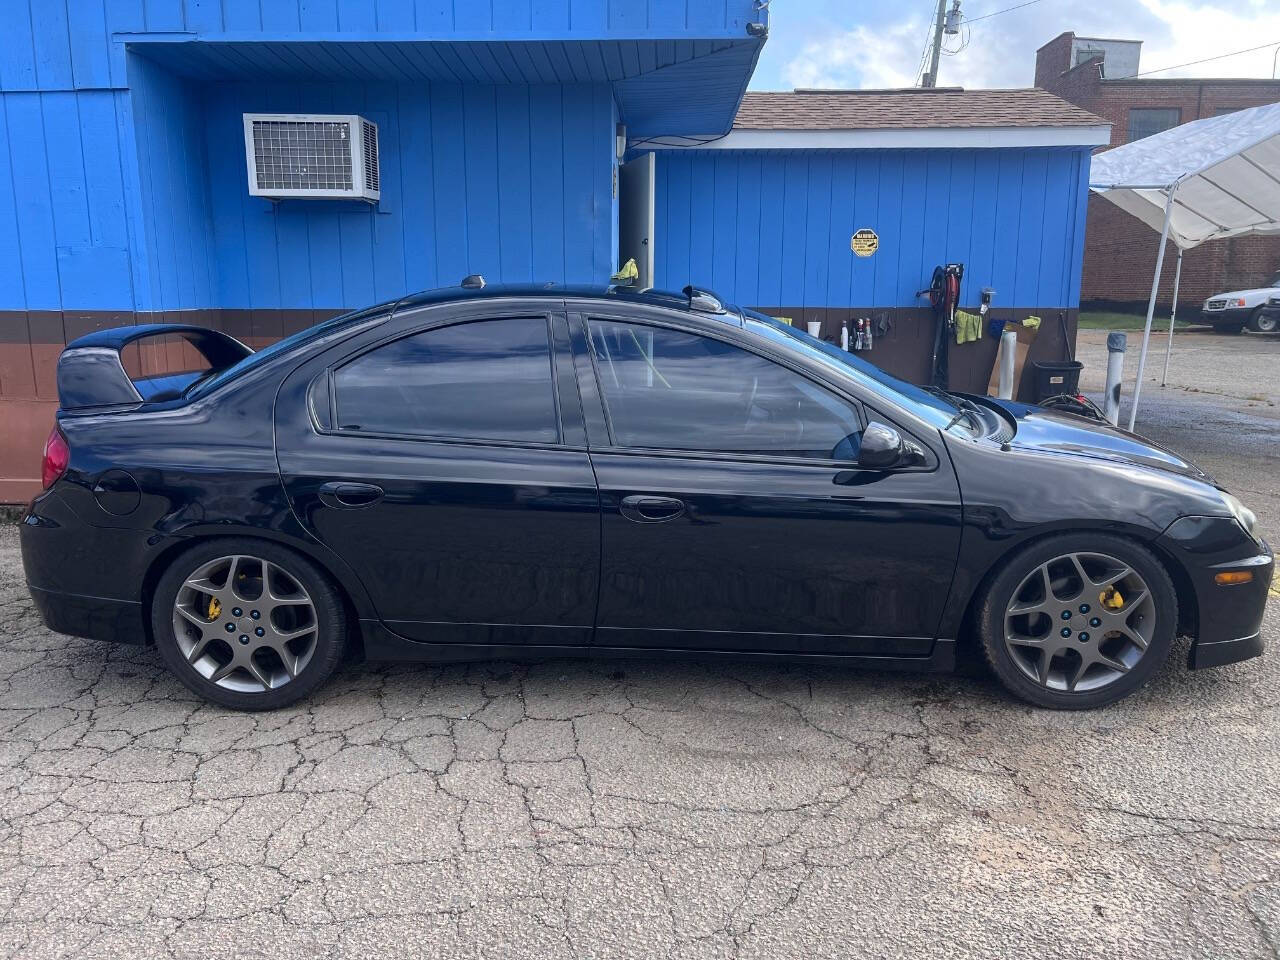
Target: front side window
point(671, 390)
point(485, 380)
point(1145, 121)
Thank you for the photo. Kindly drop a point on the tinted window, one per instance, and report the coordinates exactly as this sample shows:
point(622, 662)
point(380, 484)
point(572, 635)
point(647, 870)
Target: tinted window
point(488, 380)
point(1145, 121)
point(680, 391)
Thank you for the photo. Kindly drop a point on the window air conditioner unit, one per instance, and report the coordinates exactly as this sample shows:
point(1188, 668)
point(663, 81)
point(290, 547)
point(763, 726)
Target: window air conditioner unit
point(311, 155)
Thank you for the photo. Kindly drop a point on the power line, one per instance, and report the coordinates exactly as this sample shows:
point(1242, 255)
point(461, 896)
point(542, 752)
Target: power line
point(988, 16)
point(1221, 56)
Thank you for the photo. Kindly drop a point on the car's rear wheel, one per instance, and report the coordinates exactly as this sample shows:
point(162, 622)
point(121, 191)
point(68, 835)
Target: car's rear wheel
point(1078, 620)
point(1261, 322)
point(248, 624)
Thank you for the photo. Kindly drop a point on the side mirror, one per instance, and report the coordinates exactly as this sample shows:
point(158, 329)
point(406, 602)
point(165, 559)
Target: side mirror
point(883, 448)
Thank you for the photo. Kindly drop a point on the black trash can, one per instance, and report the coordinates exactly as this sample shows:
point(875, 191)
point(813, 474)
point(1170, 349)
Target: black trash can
point(1054, 377)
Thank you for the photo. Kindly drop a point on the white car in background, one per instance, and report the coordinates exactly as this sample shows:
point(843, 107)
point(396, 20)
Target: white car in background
point(1230, 312)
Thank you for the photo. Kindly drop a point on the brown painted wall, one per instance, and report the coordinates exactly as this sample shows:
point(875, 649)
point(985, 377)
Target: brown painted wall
point(908, 349)
point(31, 341)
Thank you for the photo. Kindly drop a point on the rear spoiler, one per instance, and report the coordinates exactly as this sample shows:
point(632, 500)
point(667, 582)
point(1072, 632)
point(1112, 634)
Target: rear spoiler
point(91, 372)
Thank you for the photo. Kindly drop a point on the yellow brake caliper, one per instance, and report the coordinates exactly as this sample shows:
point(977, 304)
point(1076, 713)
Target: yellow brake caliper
point(215, 608)
point(1111, 598)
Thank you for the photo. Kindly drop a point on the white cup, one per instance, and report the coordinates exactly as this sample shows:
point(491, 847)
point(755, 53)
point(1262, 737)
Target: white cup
point(814, 327)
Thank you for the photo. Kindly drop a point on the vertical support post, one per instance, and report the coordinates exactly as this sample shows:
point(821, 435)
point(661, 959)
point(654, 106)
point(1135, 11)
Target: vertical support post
point(1173, 315)
point(1116, 343)
point(1008, 354)
point(931, 75)
point(1151, 306)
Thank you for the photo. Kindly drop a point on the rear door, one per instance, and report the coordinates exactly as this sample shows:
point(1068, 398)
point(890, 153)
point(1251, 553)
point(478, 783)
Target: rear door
point(446, 463)
point(734, 515)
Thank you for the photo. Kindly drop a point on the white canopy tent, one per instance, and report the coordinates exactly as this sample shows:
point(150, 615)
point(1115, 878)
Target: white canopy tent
point(1211, 178)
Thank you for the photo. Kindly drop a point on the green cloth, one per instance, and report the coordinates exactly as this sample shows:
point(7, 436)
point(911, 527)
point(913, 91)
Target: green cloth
point(968, 327)
point(1032, 323)
point(629, 273)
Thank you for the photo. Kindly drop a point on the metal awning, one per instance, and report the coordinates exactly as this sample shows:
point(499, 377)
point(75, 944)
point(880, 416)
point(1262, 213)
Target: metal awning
point(1205, 180)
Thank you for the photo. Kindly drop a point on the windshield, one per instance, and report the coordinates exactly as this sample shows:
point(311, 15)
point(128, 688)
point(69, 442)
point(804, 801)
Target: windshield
point(934, 408)
point(291, 342)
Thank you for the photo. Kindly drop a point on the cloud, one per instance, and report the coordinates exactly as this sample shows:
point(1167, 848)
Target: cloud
point(821, 43)
point(862, 57)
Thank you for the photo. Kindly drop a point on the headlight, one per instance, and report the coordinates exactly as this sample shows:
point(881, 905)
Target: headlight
point(1244, 516)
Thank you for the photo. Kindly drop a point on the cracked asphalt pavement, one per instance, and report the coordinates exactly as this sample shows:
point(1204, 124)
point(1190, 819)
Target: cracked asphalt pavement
point(641, 809)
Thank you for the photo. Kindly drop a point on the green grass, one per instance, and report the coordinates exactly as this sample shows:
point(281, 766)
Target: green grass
point(1102, 320)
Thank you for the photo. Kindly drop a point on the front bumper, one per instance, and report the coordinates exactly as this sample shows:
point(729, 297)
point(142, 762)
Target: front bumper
point(1229, 315)
point(1228, 619)
point(1222, 652)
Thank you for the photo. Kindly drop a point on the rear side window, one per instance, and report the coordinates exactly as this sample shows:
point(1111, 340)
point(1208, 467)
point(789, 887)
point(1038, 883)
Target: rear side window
point(672, 390)
point(485, 380)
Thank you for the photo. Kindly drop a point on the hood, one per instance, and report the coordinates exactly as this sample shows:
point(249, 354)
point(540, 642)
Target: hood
point(1059, 432)
point(1256, 292)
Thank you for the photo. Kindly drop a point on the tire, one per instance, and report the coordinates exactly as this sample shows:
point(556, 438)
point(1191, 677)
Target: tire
point(1260, 324)
point(1228, 327)
point(250, 648)
point(1082, 671)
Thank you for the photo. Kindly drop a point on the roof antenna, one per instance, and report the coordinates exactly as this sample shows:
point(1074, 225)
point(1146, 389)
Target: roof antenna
point(473, 281)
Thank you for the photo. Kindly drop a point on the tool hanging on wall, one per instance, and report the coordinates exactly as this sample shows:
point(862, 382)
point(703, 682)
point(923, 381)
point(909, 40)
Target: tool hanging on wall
point(944, 296)
point(844, 334)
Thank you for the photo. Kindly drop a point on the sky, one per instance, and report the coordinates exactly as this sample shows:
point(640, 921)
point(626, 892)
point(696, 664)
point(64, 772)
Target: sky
point(873, 43)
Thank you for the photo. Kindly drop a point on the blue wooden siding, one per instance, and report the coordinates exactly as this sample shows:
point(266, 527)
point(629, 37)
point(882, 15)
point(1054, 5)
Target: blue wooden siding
point(773, 228)
point(512, 182)
point(122, 185)
point(73, 47)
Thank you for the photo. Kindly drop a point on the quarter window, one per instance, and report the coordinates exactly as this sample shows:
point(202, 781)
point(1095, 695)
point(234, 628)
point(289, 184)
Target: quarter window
point(672, 390)
point(484, 380)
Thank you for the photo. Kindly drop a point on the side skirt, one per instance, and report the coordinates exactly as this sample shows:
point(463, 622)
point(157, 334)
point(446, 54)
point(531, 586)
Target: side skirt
point(381, 645)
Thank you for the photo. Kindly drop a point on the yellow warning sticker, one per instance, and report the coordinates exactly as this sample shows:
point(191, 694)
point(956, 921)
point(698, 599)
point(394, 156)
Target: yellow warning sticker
point(864, 243)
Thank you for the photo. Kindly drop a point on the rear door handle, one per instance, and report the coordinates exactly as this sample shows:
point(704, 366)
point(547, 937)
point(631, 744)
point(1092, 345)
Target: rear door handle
point(345, 495)
point(648, 509)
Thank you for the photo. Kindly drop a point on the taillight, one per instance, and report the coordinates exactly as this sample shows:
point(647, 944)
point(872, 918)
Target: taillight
point(56, 456)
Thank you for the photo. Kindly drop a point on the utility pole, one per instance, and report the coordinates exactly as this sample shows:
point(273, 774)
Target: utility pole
point(931, 75)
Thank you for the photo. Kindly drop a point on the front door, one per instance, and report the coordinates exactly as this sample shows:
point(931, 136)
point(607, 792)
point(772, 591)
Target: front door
point(734, 517)
point(636, 181)
point(450, 477)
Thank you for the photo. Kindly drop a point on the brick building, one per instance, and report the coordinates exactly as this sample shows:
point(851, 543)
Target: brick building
point(1103, 76)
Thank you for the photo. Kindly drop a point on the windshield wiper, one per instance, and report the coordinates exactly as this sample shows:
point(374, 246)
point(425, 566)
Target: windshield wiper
point(960, 415)
point(964, 408)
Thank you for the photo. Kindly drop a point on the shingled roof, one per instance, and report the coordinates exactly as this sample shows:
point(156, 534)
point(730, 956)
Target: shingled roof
point(908, 109)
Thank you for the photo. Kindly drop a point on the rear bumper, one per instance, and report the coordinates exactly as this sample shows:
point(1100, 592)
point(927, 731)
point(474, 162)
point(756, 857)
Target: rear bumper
point(86, 581)
point(98, 618)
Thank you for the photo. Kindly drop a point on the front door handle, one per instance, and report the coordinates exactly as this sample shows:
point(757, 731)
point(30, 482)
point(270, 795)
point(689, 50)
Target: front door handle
point(345, 495)
point(647, 509)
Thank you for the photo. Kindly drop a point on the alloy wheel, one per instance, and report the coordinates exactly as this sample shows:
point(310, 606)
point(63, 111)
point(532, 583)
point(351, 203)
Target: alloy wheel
point(244, 623)
point(1079, 622)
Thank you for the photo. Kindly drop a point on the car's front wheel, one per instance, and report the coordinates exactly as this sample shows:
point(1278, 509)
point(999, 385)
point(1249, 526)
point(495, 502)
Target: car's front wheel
point(248, 624)
point(1261, 322)
point(1078, 620)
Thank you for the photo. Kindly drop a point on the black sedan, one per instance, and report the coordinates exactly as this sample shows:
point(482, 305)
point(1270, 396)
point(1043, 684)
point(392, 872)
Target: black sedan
point(549, 471)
